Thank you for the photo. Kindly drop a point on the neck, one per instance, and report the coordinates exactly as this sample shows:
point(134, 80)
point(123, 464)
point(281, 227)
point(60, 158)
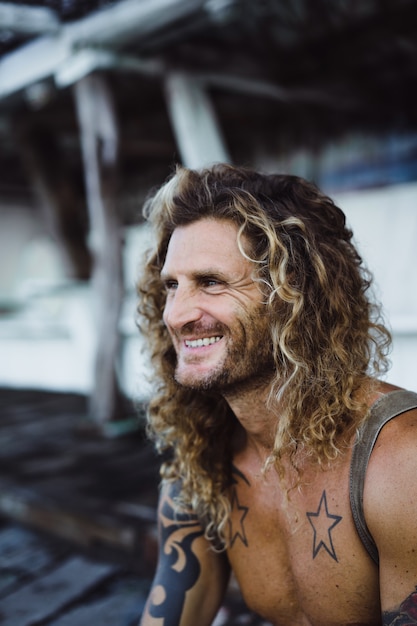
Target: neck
point(258, 421)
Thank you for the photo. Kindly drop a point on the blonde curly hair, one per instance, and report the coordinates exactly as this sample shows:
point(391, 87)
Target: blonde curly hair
point(327, 335)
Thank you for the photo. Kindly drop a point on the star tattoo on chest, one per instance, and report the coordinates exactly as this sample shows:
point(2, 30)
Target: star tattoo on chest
point(322, 523)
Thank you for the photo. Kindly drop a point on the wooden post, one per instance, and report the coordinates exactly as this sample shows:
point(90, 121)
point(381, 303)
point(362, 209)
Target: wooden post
point(100, 142)
point(194, 121)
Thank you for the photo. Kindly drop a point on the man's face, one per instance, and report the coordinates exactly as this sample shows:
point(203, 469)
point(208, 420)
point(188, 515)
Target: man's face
point(214, 310)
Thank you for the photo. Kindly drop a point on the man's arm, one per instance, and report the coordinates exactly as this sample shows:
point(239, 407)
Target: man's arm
point(191, 578)
point(390, 501)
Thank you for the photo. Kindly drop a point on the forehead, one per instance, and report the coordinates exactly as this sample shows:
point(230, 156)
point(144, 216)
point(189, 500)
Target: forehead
point(208, 243)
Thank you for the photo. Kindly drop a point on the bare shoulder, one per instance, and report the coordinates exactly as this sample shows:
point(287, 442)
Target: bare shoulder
point(395, 451)
point(390, 504)
point(394, 454)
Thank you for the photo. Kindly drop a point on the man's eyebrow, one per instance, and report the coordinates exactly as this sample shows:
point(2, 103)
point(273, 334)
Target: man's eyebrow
point(198, 274)
point(209, 272)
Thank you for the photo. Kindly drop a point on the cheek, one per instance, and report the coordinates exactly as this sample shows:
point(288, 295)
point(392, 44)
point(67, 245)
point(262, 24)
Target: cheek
point(165, 312)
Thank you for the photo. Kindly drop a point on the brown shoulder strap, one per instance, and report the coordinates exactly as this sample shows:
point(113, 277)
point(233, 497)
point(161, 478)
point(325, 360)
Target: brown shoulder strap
point(384, 409)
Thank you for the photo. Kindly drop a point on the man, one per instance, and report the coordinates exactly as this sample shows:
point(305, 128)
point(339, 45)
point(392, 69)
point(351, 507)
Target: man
point(267, 349)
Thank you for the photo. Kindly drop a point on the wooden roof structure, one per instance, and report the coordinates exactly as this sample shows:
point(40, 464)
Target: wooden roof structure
point(305, 70)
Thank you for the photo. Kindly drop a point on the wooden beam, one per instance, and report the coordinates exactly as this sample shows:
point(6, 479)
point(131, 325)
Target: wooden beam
point(89, 60)
point(194, 121)
point(100, 143)
point(27, 20)
point(130, 20)
point(31, 63)
point(121, 23)
point(91, 44)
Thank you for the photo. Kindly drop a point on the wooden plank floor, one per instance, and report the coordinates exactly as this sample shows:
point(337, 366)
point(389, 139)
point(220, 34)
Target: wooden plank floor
point(77, 518)
point(44, 581)
point(57, 473)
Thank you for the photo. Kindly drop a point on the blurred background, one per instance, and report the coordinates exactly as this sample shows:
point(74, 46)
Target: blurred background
point(99, 99)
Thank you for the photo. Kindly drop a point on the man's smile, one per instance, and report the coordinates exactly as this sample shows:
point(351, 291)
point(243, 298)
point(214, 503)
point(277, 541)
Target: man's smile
point(199, 343)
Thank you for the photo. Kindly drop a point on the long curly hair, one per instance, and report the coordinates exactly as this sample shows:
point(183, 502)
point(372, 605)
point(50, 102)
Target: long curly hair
point(327, 335)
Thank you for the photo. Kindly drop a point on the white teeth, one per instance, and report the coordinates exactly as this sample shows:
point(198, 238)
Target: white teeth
point(199, 343)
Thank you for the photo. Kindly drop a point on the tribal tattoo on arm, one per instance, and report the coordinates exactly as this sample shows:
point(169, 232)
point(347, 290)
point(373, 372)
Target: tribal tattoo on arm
point(406, 615)
point(179, 567)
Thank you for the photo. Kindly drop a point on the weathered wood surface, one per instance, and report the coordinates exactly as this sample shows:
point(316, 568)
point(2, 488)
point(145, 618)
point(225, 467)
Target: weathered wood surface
point(194, 122)
point(59, 474)
point(77, 518)
point(50, 593)
point(49, 583)
point(100, 147)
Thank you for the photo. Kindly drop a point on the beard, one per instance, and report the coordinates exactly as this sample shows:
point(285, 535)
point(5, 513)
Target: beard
point(247, 363)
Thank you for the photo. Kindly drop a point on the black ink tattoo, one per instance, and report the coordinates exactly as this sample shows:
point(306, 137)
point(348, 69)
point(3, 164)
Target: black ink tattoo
point(237, 508)
point(180, 567)
point(322, 523)
point(237, 473)
point(406, 614)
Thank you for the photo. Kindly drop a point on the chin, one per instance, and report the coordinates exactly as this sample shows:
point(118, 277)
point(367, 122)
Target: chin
point(192, 382)
point(199, 382)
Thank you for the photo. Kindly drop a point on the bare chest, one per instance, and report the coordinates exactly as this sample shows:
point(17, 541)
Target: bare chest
point(298, 559)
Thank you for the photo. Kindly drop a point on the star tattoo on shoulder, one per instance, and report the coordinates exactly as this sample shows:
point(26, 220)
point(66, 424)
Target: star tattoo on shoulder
point(322, 523)
point(237, 509)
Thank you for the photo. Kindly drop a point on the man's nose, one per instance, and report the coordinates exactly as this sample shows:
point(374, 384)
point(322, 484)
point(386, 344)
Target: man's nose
point(182, 307)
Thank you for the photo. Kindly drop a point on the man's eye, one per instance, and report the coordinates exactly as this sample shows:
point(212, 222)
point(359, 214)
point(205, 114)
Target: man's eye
point(211, 282)
point(170, 285)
